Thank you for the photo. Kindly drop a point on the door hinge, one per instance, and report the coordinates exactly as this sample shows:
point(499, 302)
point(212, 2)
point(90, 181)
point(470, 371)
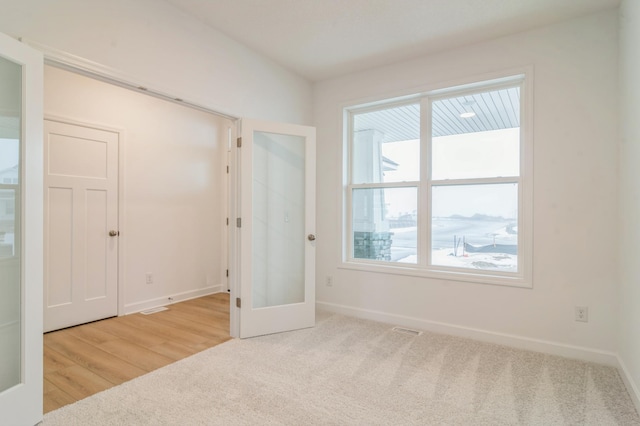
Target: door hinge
point(227, 169)
point(227, 221)
point(227, 272)
point(239, 142)
point(239, 222)
point(238, 303)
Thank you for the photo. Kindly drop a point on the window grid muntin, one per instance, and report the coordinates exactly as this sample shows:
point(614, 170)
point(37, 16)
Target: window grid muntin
point(426, 184)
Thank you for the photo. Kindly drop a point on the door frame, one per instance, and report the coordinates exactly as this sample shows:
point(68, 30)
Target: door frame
point(66, 61)
point(121, 199)
point(233, 232)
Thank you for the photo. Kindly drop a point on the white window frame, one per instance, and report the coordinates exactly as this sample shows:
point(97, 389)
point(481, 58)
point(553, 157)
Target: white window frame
point(423, 267)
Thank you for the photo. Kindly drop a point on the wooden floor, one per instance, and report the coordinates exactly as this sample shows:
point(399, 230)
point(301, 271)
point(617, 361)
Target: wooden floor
point(86, 359)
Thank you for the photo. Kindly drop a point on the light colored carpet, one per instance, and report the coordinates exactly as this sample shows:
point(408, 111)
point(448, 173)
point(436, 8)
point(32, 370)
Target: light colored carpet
point(347, 371)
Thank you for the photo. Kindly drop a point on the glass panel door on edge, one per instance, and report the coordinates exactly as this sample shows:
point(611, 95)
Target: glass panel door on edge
point(20, 233)
point(10, 229)
point(277, 237)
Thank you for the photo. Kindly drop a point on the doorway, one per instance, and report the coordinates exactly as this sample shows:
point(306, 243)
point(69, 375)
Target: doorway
point(172, 208)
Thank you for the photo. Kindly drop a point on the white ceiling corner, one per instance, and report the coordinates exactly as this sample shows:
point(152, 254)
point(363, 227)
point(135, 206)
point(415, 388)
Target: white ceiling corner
point(320, 39)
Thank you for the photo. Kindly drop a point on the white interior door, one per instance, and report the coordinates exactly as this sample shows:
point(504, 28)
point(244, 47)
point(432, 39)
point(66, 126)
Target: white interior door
point(20, 233)
point(81, 224)
point(277, 242)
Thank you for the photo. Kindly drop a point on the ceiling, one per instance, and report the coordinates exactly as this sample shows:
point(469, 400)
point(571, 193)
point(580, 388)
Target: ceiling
point(320, 39)
point(492, 110)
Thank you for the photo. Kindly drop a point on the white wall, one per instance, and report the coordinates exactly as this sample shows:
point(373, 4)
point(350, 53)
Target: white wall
point(629, 226)
point(174, 208)
point(160, 47)
point(575, 200)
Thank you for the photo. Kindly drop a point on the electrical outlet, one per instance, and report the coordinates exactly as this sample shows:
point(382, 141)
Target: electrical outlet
point(582, 313)
point(329, 281)
point(149, 278)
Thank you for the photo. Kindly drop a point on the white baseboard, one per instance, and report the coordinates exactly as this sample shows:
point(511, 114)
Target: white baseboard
point(632, 388)
point(536, 345)
point(169, 299)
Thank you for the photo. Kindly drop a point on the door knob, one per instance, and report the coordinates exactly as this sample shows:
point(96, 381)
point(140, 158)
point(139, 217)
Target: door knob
point(113, 233)
point(311, 237)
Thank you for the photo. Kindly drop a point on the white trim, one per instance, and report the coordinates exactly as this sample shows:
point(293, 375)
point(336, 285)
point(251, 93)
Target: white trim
point(632, 388)
point(440, 273)
point(233, 232)
point(521, 77)
point(519, 342)
point(224, 247)
point(172, 298)
point(122, 221)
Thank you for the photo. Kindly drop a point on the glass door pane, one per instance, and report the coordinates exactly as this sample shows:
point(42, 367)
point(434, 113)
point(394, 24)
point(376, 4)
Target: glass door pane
point(278, 219)
point(10, 230)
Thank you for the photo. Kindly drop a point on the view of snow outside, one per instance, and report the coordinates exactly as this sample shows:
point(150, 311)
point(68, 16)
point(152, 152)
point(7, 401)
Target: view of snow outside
point(9, 157)
point(472, 226)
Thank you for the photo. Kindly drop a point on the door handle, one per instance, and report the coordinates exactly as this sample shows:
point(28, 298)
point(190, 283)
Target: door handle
point(311, 237)
point(113, 233)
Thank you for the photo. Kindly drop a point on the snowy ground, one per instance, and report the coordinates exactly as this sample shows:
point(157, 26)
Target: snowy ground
point(485, 261)
point(477, 233)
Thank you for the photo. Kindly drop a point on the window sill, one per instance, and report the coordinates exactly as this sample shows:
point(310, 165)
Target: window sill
point(421, 272)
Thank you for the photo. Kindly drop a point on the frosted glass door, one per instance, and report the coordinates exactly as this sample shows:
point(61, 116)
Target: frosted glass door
point(21, 222)
point(277, 228)
point(10, 229)
point(278, 219)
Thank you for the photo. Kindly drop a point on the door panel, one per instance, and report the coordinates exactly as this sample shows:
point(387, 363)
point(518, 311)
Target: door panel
point(277, 261)
point(89, 155)
point(97, 258)
point(81, 204)
point(20, 233)
point(60, 214)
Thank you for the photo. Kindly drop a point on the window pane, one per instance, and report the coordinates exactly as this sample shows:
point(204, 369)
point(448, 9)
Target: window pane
point(475, 226)
point(386, 146)
point(11, 285)
point(385, 224)
point(476, 136)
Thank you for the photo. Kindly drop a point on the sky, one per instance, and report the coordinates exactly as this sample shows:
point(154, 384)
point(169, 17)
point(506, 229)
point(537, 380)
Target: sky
point(471, 155)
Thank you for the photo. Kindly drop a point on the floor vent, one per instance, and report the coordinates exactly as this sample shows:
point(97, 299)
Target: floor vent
point(408, 331)
point(154, 310)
